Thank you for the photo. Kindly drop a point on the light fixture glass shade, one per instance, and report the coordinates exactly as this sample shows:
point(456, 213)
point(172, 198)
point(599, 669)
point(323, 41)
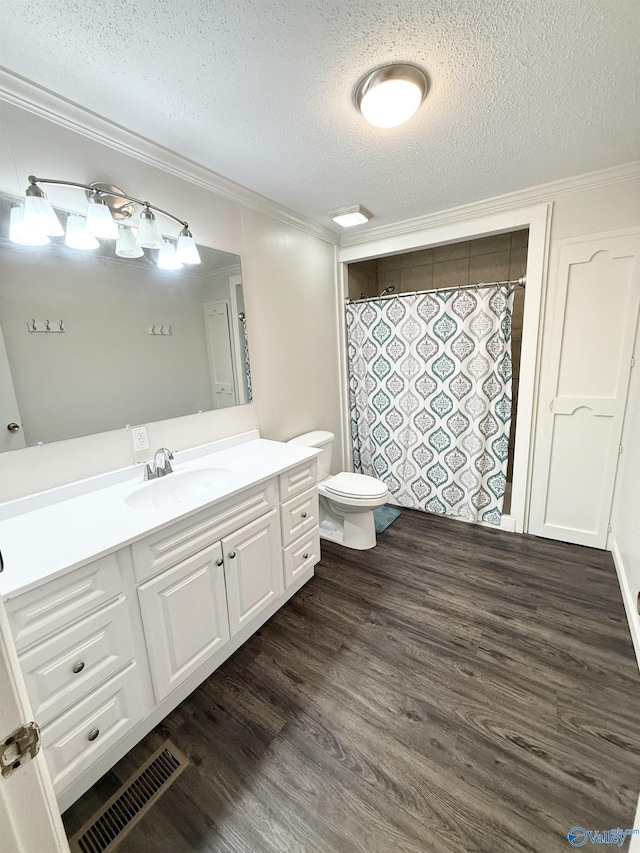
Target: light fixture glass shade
point(149, 235)
point(99, 220)
point(167, 258)
point(187, 251)
point(389, 96)
point(21, 235)
point(126, 245)
point(40, 217)
point(77, 236)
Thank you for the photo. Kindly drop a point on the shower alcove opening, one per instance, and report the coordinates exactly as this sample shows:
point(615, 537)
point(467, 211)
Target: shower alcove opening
point(499, 257)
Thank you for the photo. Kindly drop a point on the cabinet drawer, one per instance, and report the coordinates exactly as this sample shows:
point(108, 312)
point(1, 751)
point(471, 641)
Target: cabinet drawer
point(184, 612)
point(97, 647)
point(300, 556)
point(70, 741)
point(298, 479)
point(179, 541)
point(60, 602)
point(299, 515)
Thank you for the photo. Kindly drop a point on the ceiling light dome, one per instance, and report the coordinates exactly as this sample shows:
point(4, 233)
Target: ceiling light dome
point(390, 95)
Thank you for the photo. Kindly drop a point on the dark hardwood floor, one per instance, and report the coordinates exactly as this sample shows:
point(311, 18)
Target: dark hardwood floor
point(454, 689)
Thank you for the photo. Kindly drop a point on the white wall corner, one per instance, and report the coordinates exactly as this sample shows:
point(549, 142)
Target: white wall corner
point(35, 99)
point(629, 601)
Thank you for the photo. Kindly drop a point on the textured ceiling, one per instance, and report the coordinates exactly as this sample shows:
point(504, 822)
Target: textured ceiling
point(522, 91)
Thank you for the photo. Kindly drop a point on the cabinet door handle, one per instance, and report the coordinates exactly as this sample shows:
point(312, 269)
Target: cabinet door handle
point(304, 514)
point(305, 556)
point(219, 562)
point(78, 667)
point(13, 427)
point(93, 734)
point(232, 554)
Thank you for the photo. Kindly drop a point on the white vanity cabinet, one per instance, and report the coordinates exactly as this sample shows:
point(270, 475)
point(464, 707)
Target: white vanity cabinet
point(109, 649)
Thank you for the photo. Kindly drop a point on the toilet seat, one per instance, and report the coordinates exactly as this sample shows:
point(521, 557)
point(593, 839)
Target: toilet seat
point(354, 486)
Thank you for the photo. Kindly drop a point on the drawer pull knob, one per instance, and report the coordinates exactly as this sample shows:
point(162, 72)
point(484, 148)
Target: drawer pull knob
point(305, 556)
point(78, 667)
point(93, 734)
point(304, 514)
point(232, 554)
point(219, 562)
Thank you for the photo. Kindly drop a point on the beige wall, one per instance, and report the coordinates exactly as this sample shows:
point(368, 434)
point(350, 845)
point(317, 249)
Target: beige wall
point(290, 296)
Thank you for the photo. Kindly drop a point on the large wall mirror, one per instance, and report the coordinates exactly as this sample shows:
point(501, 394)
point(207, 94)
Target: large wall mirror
point(91, 342)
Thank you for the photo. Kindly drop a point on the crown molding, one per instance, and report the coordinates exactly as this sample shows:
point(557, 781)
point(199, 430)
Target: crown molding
point(35, 99)
point(543, 193)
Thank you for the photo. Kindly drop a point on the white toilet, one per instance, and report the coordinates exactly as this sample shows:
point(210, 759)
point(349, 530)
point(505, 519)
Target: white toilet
point(347, 501)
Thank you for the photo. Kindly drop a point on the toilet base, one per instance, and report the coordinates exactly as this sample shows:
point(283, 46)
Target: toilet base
point(355, 530)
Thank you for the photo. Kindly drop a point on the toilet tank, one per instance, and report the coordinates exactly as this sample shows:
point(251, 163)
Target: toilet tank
point(323, 440)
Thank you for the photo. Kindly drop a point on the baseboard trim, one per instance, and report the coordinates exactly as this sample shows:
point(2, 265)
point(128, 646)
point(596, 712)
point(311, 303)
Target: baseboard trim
point(628, 600)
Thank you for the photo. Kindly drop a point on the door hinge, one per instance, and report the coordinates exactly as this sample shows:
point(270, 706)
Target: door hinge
point(19, 747)
point(619, 449)
point(608, 528)
point(633, 361)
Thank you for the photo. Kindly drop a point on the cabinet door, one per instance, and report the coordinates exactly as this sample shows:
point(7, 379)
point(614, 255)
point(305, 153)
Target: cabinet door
point(253, 569)
point(185, 618)
point(584, 388)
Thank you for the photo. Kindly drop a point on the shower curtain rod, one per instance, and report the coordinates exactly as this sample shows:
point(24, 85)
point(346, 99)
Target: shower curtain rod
point(517, 281)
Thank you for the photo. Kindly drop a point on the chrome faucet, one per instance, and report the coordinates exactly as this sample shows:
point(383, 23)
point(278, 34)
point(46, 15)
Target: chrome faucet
point(161, 465)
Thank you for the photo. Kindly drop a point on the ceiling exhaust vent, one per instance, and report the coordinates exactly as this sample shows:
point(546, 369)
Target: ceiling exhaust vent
point(130, 803)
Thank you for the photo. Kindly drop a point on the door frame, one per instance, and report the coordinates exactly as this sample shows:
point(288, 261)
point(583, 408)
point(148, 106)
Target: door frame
point(537, 218)
point(235, 282)
point(29, 813)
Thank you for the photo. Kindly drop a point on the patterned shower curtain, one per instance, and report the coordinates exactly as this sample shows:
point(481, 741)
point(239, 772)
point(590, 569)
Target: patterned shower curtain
point(430, 393)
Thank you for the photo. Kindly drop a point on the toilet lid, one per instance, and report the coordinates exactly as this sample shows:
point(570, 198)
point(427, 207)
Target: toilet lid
point(355, 486)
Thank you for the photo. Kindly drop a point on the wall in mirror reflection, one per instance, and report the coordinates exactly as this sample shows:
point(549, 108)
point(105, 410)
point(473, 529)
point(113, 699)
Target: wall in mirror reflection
point(139, 344)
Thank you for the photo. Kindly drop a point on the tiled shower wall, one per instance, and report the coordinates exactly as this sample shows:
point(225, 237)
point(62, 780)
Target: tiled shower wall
point(496, 258)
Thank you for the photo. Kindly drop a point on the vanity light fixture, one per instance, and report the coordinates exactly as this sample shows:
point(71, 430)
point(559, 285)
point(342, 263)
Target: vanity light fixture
point(77, 235)
point(21, 235)
point(350, 216)
point(168, 258)
point(126, 244)
point(39, 215)
point(389, 96)
point(108, 207)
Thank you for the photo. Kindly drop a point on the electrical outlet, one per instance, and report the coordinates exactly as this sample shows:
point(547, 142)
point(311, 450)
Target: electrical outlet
point(140, 438)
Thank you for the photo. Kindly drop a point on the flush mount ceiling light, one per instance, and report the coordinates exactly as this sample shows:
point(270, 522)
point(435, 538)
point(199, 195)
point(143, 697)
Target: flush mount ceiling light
point(390, 95)
point(350, 216)
point(108, 207)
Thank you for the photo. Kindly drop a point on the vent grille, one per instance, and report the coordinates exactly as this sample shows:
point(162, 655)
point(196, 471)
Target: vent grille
point(129, 804)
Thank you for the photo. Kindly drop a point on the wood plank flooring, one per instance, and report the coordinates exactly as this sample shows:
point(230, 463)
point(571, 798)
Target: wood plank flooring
point(454, 689)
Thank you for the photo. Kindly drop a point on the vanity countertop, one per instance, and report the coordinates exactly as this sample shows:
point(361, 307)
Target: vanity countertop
point(53, 538)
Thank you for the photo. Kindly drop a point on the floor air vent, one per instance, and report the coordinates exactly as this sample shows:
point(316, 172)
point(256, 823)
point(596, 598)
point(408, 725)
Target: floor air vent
point(121, 813)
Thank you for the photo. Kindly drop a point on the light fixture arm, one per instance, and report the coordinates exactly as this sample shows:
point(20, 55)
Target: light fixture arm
point(91, 189)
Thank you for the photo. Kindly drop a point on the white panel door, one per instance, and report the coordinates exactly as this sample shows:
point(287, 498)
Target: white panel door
point(253, 569)
point(220, 346)
point(29, 815)
point(584, 388)
point(185, 618)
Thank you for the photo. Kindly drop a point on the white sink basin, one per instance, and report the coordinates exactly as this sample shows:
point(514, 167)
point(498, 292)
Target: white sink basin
point(178, 487)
